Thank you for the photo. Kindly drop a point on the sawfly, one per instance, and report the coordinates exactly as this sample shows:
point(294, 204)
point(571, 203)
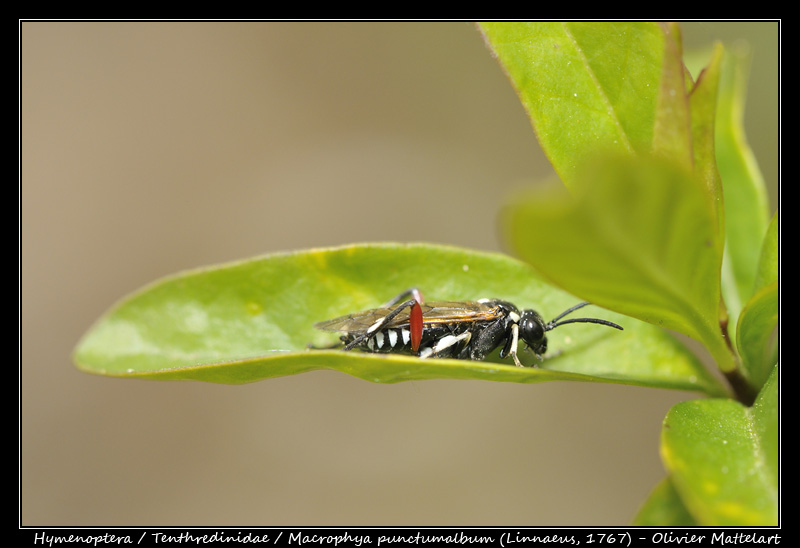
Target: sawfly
point(464, 330)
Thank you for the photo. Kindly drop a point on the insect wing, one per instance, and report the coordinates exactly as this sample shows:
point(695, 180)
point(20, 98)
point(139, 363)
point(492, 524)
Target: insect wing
point(354, 323)
point(458, 312)
point(436, 312)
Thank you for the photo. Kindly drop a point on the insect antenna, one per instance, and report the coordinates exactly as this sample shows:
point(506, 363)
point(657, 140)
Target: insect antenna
point(555, 323)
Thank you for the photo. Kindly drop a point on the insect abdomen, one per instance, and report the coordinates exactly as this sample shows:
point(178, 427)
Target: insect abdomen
point(441, 340)
point(395, 339)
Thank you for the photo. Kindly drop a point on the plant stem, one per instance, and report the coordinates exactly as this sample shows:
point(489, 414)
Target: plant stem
point(743, 390)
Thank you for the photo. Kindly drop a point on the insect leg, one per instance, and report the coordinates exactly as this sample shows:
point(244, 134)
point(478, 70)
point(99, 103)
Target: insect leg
point(511, 344)
point(375, 327)
point(449, 346)
point(412, 292)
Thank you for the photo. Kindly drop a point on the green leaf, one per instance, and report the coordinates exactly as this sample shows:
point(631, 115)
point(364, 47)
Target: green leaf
point(672, 133)
point(664, 507)
point(766, 424)
point(768, 271)
point(589, 88)
point(756, 337)
point(723, 458)
point(636, 238)
point(703, 104)
point(621, 90)
point(253, 320)
point(746, 203)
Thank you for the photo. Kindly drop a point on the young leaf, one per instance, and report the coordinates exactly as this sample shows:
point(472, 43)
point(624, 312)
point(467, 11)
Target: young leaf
point(254, 319)
point(746, 204)
point(703, 104)
point(637, 238)
point(755, 335)
point(672, 132)
point(723, 458)
point(768, 269)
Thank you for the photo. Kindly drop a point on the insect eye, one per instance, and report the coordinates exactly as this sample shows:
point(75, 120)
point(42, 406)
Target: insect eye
point(531, 327)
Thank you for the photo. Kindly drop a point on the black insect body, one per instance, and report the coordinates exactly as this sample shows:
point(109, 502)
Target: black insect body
point(468, 330)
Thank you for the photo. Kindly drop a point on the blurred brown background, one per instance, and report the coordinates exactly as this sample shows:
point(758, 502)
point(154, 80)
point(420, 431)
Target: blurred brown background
point(149, 148)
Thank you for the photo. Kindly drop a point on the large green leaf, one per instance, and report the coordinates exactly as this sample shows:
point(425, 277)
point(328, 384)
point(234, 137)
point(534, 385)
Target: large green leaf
point(723, 458)
point(636, 238)
point(253, 319)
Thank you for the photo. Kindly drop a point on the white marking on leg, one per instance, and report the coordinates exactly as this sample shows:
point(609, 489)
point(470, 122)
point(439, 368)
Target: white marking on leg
point(444, 342)
point(450, 340)
point(514, 342)
point(374, 327)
